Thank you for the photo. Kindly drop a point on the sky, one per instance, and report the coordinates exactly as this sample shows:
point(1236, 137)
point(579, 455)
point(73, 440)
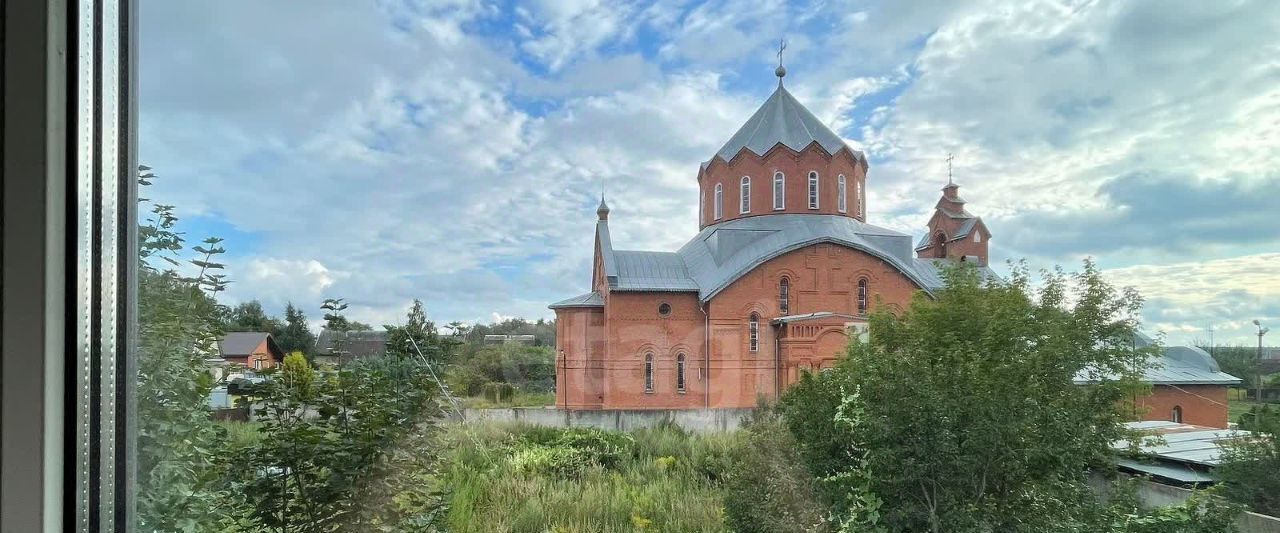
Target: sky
point(454, 151)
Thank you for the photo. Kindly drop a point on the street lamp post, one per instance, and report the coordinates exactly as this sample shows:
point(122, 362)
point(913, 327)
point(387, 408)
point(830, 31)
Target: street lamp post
point(1258, 380)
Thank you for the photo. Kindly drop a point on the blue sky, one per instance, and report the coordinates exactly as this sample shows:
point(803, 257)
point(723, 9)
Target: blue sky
point(453, 151)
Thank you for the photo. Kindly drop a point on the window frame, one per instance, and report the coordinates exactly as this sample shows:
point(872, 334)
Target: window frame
point(681, 382)
point(648, 373)
point(753, 333)
point(744, 195)
point(779, 191)
point(863, 295)
point(784, 296)
point(842, 194)
point(68, 408)
point(815, 190)
point(858, 196)
point(717, 207)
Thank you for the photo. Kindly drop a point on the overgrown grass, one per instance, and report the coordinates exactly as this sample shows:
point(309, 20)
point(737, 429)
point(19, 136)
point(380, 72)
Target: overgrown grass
point(520, 399)
point(514, 477)
point(1237, 404)
point(241, 434)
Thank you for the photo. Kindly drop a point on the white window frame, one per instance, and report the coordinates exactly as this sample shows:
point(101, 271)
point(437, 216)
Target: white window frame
point(779, 191)
point(648, 373)
point(977, 237)
point(864, 290)
point(784, 296)
point(680, 377)
point(744, 195)
point(753, 333)
point(815, 184)
point(861, 213)
point(717, 208)
point(842, 194)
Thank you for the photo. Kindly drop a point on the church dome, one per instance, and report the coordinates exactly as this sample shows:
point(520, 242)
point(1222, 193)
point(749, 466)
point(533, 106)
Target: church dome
point(782, 120)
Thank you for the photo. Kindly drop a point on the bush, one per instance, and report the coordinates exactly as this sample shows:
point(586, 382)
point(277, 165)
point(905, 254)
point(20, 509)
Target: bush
point(768, 488)
point(499, 392)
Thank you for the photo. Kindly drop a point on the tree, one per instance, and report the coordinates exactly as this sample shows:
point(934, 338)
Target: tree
point(295, 335)
point(1250, 469)
point(249, 316)
point(419, 335)
point(962, 412)
point(1241, 362)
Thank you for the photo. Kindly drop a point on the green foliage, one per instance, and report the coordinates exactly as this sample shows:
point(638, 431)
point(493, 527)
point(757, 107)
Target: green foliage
point(317, 448)
point(419, 335)
point(297, 375)
point(767, 487)
point(967, 412)
point(528, 368)
point(1259, 417)
point(543, 331)
point(1250, 471)
point(522, 478)
point(249, 316)
point(498, 392)
point(179, 465)
point(296, 335)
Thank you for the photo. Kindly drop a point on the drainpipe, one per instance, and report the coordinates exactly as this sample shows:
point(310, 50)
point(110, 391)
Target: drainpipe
point(706, 354)
point(777, 361)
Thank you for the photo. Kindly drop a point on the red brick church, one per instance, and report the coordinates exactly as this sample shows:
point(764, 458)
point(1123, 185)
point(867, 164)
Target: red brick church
point(784, 268)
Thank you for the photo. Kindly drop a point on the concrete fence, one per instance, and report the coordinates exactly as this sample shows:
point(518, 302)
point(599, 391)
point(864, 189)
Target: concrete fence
point(696, 420)
point(1152, 495)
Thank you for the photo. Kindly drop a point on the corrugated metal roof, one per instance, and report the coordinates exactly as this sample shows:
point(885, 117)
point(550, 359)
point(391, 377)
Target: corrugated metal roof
point(590, 299)
point(1173, 472)
point(652, 271)
point(783, 120)
point(1182, 443)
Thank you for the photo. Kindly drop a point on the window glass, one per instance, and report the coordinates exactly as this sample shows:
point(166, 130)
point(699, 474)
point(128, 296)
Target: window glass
point(813, 190)
point(841, 196)
point(745, 193)
point(779, 190)
point(718, 205)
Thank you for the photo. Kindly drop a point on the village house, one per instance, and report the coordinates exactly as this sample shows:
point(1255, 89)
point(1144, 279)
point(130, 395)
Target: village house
point(254, 350)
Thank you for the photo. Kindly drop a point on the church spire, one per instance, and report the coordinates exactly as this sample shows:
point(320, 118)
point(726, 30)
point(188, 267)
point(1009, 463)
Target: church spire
point(603, 210)
point(781, 71)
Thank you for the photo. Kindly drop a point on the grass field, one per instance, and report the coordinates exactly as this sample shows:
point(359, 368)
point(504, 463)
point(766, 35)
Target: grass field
point(1237, 405)
point(509, 477)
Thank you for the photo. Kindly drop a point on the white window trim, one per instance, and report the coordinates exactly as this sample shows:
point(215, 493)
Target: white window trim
point(779, 191)
point(861, 213)
point(842, 194)
point(753, 334)
point(977, 237)
point(744, 195)
point(681, 381)
point(718, 208)
point(815, 189)
point(648, 373)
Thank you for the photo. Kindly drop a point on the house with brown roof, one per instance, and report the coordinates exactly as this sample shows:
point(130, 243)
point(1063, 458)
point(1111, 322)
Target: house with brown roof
point(253, 349)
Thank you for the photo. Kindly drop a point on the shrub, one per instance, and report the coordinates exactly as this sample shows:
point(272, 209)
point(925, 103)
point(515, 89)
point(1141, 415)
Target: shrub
point(768, 488)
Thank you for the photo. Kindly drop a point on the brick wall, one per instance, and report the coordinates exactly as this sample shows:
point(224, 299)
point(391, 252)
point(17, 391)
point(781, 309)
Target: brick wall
point(796, 167)
point(1202, 405)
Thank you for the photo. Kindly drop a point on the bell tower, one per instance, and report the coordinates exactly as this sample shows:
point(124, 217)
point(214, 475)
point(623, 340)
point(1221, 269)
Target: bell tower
point(954, 233)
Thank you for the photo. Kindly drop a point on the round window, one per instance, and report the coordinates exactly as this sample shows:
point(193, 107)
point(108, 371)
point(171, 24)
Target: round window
point(664, 309)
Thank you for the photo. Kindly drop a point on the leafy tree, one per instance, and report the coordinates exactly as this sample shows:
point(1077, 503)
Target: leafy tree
point(1250, 471)
point(419, 335)
point(966, 408)
point(249, 316)
point(295, 335)
point(1241, 362)
point(297, 374)
point(180, 474)
point(768, 488)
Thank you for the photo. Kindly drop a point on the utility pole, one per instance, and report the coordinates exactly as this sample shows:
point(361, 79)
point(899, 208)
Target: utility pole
point(1258, 380)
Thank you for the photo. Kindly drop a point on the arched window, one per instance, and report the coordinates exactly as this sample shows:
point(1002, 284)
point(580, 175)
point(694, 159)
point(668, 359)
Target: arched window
point(779, 191)
point(862, 296)
point(859, 199)
point(842, 196)
point(977, 237)
point(648, 372)
point(813, 190)
point(1176, 415)
point(753, 333)
point(680, 373)
point(745, 192)
point(718, 207)
point(940, 243)
point(784, 296)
